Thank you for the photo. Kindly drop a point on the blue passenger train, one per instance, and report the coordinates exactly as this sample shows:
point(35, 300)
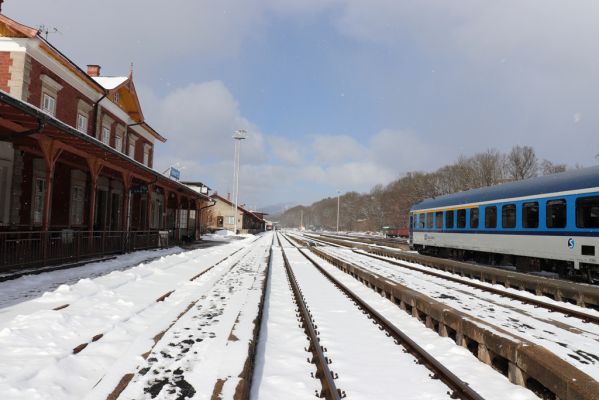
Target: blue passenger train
point(549, 223)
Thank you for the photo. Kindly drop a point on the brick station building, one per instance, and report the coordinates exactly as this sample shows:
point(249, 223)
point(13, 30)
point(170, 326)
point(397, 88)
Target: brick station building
point(222, 216)
point(76, 157)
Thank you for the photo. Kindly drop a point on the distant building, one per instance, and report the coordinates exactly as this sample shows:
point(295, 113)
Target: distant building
point(223, 214)
point(76, 158)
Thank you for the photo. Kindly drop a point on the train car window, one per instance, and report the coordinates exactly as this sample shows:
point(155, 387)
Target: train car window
point(421, 221)
point(587, 212)
point(439, 216)
point(429, 220)
point(461, 218)
point(474, 218)
point(530, 215)
point(556, 214)
point(449, 219)
point(508, 216)
point(491, 217)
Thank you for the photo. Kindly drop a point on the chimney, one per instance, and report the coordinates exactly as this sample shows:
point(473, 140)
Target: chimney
point(228, 196)
point(1, 1)
point(93, 70)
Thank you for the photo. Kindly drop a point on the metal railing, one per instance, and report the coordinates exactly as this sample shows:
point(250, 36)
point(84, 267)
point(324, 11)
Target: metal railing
point(37, 248)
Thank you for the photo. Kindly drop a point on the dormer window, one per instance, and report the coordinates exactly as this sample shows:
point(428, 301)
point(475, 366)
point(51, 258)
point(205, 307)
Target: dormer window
point(49, 104)
point(117, 98)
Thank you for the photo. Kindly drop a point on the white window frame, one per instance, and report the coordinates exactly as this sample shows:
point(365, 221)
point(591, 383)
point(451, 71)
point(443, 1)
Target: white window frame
point(48, 104)
point(131, 147)
point(5, 191)
point(83, 110)
point(230, 220)
point(50, 89)
point(146, 155)
point(82, 122)
point(77, 204)
point(183, 218)
point(106, 135)
point(118, 142)
point(37, 204)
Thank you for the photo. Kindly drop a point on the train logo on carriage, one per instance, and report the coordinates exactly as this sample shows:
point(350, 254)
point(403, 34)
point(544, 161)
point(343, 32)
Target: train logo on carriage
point(571, 243)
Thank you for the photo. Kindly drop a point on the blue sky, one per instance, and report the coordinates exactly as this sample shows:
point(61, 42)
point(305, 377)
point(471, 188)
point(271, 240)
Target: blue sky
point(342, 94)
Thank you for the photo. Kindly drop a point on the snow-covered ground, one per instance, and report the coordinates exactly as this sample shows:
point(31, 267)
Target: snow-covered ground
point(569, 338)
point(37, 337)
point(31, 286)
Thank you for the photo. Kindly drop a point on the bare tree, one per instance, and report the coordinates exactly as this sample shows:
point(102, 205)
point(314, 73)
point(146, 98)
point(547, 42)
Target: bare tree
point(488, 168)
point(549, 168)
point(521, 163)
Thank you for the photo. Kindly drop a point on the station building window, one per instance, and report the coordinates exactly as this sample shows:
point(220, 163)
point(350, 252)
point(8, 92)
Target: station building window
point(449, 219)
point(49, 104)
point(461, 218)
point(508, 216)
point(587, 212)
point(439, 219)
point(491, 217)
point(429, 220)
point(530, 215)
point(474, 218)
point(556, 214)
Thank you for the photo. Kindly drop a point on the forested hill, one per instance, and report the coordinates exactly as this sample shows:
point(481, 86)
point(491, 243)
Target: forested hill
point(389, 205)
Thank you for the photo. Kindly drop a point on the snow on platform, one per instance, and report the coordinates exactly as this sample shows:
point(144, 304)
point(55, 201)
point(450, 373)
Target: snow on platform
point(37, 337)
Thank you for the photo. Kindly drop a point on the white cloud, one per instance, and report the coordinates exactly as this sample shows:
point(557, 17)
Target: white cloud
point(332, 149)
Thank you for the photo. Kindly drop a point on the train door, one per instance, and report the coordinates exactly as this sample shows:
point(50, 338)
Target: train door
point(411, 230)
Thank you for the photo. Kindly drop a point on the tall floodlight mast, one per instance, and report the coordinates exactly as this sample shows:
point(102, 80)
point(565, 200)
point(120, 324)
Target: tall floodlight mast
point(238, 137)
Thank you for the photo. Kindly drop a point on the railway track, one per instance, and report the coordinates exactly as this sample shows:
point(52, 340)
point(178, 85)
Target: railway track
point(481, 341)
point(458, 388)
point(583, 295)
point(585, 315)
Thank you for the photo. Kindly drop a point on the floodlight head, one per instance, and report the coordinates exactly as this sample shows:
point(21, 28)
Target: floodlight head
point(240, 134)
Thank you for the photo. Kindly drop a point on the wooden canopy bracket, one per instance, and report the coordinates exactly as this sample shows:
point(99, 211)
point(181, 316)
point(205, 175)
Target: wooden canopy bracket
point(51, 151)
point(95, 167)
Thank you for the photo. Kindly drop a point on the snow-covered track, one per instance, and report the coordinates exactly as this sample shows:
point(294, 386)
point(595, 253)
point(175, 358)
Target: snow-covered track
point(524, 362)
point(459, 388)
point(329, 390)
point(581, 294)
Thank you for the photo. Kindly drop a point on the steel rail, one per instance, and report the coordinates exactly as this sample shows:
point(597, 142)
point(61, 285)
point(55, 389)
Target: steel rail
point(329, 389)
point(527, 300)
point(460, 388)
point(524, 299)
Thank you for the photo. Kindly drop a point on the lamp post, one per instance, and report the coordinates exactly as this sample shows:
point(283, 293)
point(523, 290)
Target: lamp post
point(338, 193)
point(239, 135)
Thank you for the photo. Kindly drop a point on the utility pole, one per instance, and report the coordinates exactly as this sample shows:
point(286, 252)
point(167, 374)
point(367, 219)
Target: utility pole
point(301, 219)
point(338, 193)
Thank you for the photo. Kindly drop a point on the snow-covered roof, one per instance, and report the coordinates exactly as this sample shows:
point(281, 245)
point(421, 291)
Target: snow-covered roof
point(110, 82)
